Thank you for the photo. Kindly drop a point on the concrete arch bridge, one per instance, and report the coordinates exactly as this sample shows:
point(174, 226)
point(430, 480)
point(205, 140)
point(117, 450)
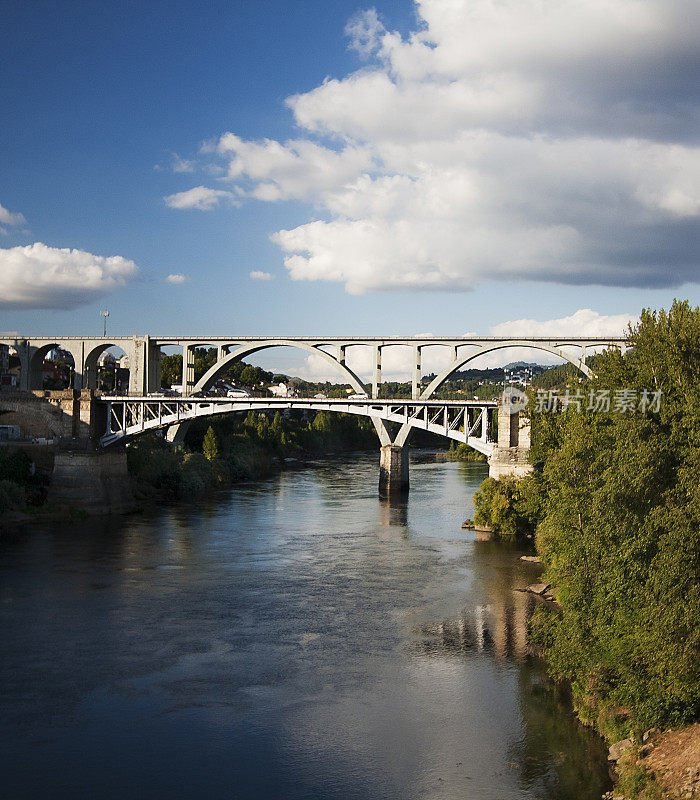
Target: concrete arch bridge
point(466, 421)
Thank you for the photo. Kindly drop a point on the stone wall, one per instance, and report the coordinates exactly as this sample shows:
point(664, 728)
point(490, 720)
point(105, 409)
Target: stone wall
point(96, 482)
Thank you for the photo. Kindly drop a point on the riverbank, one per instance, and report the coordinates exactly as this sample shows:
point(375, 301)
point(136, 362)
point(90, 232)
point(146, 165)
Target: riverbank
point(614, 504)
point(655, 765)
point(663, 765)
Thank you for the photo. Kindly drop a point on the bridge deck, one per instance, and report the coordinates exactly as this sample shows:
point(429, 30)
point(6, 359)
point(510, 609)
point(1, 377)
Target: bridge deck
point(463, 420)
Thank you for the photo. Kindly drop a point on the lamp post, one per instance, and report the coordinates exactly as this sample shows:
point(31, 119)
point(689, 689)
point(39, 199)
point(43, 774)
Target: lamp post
point(104, 314)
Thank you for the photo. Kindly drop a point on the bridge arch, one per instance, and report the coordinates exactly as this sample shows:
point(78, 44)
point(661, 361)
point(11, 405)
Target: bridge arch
point(439, 379)
point(91, 362)
point(210, 376)
point(460, 361)
point(35, 378)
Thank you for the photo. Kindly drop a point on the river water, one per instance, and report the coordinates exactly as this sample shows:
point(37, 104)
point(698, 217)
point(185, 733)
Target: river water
point(291, 638)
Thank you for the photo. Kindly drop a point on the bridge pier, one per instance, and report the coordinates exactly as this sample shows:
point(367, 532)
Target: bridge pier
point(512, 454)
point(393, 471)
point(96, 482)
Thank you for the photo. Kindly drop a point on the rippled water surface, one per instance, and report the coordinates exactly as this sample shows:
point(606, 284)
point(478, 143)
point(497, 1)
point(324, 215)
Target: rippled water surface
point(294, 638)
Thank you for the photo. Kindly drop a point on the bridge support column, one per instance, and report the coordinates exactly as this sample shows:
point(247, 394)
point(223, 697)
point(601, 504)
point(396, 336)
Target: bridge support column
point(153, 377)
point(187, 368)
point(377, 376)
point(511, 456)
point(393, 471)
point(415, 386)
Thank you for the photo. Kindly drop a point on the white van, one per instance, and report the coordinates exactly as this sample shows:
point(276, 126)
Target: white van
point(358, 396)
point(239, 393)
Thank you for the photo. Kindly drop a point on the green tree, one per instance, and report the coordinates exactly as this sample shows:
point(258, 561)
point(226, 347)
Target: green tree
point(210, 447)
point(619, 530)
point(170, 370)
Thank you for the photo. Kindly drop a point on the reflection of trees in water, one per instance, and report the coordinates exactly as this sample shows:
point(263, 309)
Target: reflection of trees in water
point(499, 628)
point(556, 757)
point(559, 759)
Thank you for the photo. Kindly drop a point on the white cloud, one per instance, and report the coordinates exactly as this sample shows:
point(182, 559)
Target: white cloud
point(199, 197)
point(8, 218)
point(297, 170)
point(526, 139)
point(259, 275)
point(180, 164)
point(584, 322)
point(176, 277)
point(38, 276)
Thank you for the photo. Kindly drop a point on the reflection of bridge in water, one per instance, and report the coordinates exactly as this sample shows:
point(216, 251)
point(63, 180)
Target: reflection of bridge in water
point(499, 625)
point(102, 422)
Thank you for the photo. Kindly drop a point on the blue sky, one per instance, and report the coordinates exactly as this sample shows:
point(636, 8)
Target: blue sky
point(441, 168)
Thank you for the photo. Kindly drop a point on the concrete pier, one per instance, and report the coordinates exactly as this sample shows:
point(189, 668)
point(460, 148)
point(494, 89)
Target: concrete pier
point(393, 471)
point(512, 455)
point(95, 482)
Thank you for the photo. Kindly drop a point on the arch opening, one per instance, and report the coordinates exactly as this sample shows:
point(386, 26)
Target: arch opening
point(464, 359)
point(51, 367)
point(107, 369)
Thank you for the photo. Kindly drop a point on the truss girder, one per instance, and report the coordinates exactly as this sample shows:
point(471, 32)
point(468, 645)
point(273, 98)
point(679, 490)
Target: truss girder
point(129, 417)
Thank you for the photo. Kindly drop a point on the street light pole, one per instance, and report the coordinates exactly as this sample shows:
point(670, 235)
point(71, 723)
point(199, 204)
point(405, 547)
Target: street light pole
point(104, 314)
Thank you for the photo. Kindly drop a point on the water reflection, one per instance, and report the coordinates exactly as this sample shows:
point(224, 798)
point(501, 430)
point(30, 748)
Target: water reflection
point(393, 511)
point(295, 639)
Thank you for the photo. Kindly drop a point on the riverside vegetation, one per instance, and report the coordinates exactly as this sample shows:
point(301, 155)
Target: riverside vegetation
point(232, 448)
point(614, 505)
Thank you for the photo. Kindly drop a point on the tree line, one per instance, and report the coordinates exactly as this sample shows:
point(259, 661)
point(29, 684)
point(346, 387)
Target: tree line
point(614, 505)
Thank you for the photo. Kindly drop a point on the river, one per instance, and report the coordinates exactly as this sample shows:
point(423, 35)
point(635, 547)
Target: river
point(291, 638)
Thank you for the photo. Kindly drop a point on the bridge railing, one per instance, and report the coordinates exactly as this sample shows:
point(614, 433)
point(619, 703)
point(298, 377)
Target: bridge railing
point(462, 421)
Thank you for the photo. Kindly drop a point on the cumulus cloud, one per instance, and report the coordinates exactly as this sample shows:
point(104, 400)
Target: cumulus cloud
point(526, 139)
point(8, 218)
point(200, 197)
point(259, 275)
point(584, 322)
point(298, 170)
point(176, 277)
point(38, 276)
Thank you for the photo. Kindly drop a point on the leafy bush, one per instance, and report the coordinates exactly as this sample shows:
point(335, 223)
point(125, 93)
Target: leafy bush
point(509, 507)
